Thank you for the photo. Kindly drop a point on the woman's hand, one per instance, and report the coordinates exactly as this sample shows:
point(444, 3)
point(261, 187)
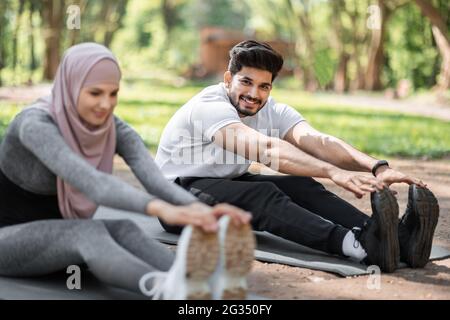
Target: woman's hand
point(197, 214)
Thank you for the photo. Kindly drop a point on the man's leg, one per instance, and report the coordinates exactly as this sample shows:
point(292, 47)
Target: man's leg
point(312, 195)
point(273, 211)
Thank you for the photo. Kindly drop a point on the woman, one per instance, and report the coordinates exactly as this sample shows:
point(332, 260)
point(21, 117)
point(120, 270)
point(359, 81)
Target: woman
point(56, 164)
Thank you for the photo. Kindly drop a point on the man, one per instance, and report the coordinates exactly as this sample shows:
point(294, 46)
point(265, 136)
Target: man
point(210, 142)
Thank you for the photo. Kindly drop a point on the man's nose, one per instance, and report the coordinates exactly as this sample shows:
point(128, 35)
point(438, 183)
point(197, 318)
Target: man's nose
point(253, 92)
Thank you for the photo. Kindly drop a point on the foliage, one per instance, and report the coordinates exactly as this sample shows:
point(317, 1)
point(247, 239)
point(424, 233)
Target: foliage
point(164, 35)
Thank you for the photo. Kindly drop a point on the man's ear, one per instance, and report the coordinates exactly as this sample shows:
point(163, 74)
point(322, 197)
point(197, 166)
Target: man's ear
point(227, 78)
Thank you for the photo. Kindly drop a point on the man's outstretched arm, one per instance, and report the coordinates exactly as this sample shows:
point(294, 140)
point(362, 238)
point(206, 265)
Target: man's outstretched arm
point(249, 143)
point(339, 153)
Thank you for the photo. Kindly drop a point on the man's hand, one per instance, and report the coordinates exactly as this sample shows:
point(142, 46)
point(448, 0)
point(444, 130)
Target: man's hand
point(389, 176)
point(359, 184)
point(197, 214)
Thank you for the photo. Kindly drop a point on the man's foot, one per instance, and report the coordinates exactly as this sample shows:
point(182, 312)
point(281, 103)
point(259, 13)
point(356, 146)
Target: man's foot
point(379, 236)
point(196, 259)
point(416, 228)
point(237, 245)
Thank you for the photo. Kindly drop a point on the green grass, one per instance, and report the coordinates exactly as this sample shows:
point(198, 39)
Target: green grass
point(383, 134)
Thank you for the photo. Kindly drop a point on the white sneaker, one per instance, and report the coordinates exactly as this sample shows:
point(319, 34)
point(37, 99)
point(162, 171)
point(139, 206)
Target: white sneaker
point(196, 259)
point(237, 245)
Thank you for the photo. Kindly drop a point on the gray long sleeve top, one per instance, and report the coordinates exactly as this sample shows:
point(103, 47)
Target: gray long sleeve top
point(33, 153)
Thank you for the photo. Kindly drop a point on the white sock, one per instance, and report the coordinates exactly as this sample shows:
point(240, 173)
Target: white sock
point(352, 248)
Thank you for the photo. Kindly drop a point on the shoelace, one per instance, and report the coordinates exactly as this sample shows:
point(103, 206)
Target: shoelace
point(356, 231)
point(158, 284)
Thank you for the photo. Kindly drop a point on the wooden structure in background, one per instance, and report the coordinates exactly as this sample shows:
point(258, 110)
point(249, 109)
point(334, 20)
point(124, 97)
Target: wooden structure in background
point(215, 44)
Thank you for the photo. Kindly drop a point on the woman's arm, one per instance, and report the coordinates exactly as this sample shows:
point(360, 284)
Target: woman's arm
point(42, 137)
point(132, 149)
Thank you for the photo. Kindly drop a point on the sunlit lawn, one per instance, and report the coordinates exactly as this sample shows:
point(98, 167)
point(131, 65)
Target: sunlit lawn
point(148, 108)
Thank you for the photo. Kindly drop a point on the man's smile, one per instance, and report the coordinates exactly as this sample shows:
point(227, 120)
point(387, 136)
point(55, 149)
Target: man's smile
point(249, 102)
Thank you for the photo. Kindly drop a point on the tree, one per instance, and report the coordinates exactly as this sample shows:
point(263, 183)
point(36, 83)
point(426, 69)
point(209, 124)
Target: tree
point(34, 7)
point(301, 11)
point(357, 13)
point(52, 13)
point(111, 16)
point(440, 33)
point(376, 50)
point(16, 32)
point(4, 38)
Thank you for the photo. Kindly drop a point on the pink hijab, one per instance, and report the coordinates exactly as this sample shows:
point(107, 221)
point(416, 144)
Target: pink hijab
point(83, 64)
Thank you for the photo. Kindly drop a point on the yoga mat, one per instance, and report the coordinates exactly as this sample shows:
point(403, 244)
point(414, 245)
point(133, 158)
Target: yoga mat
point(54, 287)
point(270, 248)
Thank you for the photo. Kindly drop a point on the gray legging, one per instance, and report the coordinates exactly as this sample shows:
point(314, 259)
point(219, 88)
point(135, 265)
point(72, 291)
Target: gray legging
point(117, 252)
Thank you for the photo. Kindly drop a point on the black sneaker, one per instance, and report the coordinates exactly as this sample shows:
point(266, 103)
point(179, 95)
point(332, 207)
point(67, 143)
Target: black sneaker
point(416, 228)
point(379, 235)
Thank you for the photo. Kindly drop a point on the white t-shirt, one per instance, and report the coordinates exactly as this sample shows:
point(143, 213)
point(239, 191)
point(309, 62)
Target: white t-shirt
point(186, 148)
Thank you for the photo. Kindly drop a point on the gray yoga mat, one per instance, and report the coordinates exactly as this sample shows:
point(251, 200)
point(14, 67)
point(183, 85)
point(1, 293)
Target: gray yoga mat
point(54, 287)
point(270, 248)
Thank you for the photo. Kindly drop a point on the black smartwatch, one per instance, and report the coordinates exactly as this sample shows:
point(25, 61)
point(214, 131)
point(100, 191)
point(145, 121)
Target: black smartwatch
point(380, 163)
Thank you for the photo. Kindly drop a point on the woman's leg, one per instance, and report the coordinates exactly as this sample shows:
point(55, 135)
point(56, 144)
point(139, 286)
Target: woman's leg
point(47, 246)
point(127, 234)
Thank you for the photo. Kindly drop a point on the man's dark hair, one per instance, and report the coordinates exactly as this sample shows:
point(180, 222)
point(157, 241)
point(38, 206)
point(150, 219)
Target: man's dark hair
point(254, 54)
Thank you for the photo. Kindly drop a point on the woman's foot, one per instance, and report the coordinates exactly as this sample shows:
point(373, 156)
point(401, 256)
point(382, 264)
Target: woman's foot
point(237, 245)
point(196, 259)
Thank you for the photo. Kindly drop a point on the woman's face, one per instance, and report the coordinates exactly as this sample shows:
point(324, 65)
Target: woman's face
point(96, 103)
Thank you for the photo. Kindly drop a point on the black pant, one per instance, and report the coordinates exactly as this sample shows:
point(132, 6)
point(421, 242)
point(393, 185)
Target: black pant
point(296, 208)
point(19, 206)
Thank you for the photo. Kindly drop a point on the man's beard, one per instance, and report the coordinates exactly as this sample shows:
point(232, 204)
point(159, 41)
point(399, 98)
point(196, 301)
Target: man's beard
point(244, 111)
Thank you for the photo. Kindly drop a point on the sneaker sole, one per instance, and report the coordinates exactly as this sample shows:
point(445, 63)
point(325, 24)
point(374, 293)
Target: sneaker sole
point(239, 255)
point(201, 261)
point(426, 209)
point(388, 216)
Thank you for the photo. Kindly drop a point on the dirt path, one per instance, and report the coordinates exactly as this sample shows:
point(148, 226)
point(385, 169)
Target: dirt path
point(432, 282)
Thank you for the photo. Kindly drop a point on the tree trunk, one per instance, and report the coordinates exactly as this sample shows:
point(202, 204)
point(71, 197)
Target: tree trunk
point(339, 42)
point(116, 24)
point(73, 35)
point(53, 21)
point(359, 44)
point(16, 32)
point(440, 33)
point(340, 78)
point(170, 17)
point(310, 80)
point(33, 63)
point(376, 51)
point(3, 36)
